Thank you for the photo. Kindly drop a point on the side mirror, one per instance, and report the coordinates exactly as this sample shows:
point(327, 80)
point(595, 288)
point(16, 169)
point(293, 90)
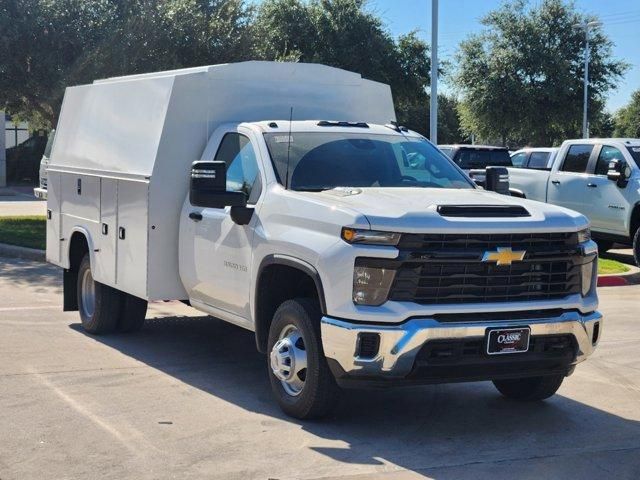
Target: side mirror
point(497, 180)
point(209, 186)
point(493, 179)
point(619, 172)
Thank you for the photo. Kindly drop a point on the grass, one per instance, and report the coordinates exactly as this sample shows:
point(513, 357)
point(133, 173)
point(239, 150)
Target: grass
point(24, 231)
point(606, 266)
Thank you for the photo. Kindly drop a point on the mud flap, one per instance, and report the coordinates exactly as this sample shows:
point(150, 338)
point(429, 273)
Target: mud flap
point(70, 290)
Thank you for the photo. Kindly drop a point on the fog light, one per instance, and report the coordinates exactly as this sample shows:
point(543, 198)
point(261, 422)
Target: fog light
point(371, 285)
point(586, 272)
point(368, 345)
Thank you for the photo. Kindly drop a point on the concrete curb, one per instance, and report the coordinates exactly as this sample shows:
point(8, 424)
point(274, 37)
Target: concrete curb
point(13, 251)
point(631, 277)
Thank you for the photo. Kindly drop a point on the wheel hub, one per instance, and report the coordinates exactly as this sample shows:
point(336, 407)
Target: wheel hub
point(88, 293)
point(288, 360)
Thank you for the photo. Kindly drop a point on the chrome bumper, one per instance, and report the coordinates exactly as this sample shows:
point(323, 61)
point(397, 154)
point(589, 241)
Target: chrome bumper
point(399, 344)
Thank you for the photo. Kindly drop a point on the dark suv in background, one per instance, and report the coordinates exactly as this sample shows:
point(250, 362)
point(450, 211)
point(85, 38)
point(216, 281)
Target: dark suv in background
point(471, 157)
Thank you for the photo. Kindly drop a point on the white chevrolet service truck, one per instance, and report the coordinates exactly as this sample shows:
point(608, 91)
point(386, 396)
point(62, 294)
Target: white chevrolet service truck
point(357, 252)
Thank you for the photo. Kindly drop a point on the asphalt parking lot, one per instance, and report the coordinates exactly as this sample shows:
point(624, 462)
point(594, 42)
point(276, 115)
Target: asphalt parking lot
point(188, 397)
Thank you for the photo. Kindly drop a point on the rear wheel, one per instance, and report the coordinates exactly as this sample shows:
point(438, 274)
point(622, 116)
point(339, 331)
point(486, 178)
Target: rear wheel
point(99, 304)
point(529, 389)
point(636, 247)
point(300, 378)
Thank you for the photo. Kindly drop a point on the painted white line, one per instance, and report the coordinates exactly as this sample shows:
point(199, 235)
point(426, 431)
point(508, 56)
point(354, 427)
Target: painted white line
point(17, 309)
point(130, 437)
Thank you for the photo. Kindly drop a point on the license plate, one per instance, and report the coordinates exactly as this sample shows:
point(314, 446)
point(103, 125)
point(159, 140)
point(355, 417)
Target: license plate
point(508, 340)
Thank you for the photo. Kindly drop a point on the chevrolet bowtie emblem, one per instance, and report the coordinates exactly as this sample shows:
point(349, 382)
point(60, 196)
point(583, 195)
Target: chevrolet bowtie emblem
point(504, 256)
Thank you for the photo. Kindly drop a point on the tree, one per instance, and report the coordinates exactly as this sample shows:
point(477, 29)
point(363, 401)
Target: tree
point(344, 34)
point(522, 78)
point(627, 119)
point(46, 45)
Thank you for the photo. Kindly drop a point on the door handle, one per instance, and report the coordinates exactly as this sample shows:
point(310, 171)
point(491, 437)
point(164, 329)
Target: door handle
point(555, 182)
point(195, 216)
point(592, 185)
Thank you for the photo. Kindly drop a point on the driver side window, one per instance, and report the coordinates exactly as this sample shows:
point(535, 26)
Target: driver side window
point(238, 154)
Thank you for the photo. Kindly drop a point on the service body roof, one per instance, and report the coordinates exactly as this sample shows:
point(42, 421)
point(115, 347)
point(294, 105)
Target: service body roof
point(125, 124)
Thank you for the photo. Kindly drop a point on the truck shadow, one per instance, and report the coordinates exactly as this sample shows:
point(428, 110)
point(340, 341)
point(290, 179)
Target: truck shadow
point(427, 429)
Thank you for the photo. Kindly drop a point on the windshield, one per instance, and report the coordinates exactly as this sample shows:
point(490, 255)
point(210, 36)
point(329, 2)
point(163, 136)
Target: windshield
point(325, 160)
point(468, 158)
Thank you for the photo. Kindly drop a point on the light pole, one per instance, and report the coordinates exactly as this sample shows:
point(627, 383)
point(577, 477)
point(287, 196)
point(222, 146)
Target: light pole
point(433, 109)
point(586, 26)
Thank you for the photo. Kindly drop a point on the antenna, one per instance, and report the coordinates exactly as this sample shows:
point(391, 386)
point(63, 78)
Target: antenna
point(286, 183)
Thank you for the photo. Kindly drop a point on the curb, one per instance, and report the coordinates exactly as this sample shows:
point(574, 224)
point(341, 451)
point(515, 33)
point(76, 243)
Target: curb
point(620, 279)
point(13, 251)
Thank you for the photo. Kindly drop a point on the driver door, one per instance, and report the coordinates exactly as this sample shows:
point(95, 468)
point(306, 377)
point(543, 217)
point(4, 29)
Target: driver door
point(222, 250)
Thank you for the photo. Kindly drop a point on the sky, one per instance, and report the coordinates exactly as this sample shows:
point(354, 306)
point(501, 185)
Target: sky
point(459, 18)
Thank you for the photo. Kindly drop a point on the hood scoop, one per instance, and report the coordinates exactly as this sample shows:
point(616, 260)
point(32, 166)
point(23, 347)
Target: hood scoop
point(483, 211)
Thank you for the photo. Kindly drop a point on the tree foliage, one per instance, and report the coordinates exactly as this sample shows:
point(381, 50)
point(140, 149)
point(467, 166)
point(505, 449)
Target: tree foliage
point(627, 119)
point(46, 45)
point(522, 78)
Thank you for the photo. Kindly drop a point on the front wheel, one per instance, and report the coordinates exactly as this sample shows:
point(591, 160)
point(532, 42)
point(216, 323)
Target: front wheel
point(99, 304)
point(300, 377)
point(529, 389)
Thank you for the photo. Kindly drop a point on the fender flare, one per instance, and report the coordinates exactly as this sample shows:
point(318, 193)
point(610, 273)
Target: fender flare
point(293, 262)
point(87, 235)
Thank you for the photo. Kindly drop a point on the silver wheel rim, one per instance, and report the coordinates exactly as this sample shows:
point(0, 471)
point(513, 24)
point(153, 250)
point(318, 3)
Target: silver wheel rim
point(288, 360)
point(88, 294)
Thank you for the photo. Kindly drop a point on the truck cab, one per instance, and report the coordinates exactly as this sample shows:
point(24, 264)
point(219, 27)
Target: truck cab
point(357, 253)
point(599, 178)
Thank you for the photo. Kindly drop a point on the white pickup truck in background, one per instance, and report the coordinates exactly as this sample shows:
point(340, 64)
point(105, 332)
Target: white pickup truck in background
point(599, 178)
point(357, 252)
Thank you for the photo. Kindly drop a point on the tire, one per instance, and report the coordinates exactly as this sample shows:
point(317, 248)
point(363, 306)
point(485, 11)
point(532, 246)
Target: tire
point(636, 247)
point(310, 392)
point(529, 389)
point(99, 305)
point(604, 245)
point(132, 313)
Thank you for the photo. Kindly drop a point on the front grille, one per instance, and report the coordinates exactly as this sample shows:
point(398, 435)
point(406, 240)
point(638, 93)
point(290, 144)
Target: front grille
point(473, 350)
point(466, 360)
point(448, 268)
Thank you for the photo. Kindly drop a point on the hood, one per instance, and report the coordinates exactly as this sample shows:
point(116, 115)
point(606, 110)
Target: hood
point(416, 210)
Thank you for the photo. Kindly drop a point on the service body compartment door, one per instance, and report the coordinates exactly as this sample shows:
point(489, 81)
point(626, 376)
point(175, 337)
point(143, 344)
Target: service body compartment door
point(105, 267)
point(53, 217)
point(131, 235)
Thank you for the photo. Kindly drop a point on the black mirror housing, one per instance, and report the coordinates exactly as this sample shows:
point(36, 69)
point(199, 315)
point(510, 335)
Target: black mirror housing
point(209, 186)
point(619, 172)
point(497, 180)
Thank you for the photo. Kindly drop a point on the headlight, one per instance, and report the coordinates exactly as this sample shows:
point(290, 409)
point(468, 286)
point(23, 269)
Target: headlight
point(369, 237)
point(371, 285)
point(584, 235)
point(586, 271)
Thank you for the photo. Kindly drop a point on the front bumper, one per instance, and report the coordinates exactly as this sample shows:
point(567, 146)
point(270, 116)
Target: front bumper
point(400, 344)
point(40, 193)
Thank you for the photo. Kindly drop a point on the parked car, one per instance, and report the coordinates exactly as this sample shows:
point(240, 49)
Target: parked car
point(599, 178)
point(470, 157)
point(534, 158)
point(41, 190)
point(356, 251)
point(23, 160)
